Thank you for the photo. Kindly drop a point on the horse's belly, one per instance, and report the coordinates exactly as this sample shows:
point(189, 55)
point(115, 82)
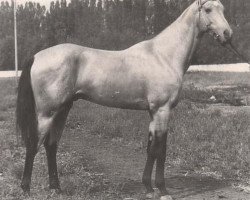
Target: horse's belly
point(124, 103)
point(119, 97)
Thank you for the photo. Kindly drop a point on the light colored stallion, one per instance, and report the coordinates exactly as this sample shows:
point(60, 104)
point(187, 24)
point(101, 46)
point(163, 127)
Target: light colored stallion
point(147, 76)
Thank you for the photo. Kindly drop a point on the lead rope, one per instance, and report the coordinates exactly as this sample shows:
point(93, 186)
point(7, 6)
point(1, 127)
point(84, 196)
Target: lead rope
point(199, 9)
point(232, 48)
point(205, 21)
point(199, 4)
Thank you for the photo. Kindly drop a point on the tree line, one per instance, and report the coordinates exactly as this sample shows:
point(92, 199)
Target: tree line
point(109, 24)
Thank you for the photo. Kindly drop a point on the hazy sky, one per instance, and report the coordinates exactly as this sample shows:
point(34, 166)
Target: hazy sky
point(42, 2)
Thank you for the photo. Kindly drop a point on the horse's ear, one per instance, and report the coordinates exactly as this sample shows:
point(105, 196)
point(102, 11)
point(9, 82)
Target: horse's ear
point(203, 1)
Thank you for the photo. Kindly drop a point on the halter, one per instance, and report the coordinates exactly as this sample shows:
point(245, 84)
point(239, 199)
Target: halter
point(200, 5)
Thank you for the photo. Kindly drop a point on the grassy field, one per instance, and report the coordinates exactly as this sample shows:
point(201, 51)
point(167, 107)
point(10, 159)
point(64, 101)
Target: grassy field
point(102, 151)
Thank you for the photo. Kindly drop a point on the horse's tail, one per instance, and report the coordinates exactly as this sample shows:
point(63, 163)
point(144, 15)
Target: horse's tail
point(26, 121)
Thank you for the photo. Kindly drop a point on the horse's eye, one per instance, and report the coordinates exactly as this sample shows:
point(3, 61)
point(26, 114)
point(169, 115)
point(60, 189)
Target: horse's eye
point(208, 10)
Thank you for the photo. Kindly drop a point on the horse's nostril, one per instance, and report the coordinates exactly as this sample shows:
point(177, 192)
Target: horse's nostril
point(227, 34)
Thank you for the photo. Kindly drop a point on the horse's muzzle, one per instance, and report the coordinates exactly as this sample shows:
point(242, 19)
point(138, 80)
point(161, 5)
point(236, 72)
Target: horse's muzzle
point(227, 36)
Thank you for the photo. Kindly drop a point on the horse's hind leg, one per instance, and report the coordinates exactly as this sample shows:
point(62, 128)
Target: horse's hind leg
point(32, 146)
point(51, 150)
point(51, 144)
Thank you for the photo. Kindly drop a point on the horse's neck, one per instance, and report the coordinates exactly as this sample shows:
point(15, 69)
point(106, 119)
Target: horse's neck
point(177, 43)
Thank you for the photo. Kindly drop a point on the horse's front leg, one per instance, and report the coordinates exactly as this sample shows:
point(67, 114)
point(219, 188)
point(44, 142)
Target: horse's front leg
point(157, 150)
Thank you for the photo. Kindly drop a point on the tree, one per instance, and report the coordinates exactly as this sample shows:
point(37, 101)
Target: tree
point(108, 24)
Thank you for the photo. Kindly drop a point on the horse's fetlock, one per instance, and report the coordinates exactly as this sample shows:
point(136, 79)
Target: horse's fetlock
point(147, 183)
point(160, 184)
point(146, 180)
point(54, 184)
point(25, 187)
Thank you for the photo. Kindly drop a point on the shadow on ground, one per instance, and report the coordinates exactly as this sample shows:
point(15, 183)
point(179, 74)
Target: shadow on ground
point(185, 186)
point(179, 186)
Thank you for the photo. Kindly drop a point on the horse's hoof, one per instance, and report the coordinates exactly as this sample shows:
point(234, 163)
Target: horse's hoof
point(53, 192)
point(26, 190)
point(57, 191)
point(26, 193)
point(166, 197)
point(55, 188)
point(150, 195)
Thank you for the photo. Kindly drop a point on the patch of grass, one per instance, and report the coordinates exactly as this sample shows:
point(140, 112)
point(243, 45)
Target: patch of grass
point(107, 122)
point(7, 93)
point(207, 79)
point(201, 139)
point(8, 102)
point(198, 137)
point(231, 96)
point(70, 187)
point(17, 171)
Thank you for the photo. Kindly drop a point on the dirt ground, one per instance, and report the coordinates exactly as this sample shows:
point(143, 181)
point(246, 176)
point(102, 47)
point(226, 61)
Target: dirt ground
point(122, 164)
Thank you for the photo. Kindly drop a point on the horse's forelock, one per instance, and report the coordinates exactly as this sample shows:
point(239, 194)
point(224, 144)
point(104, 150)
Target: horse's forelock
point(202, 2)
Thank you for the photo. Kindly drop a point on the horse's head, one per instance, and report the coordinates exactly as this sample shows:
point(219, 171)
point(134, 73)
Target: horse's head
point(212, 19)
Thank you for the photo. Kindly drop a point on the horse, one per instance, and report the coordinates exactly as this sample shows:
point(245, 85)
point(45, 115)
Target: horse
point(146, 76)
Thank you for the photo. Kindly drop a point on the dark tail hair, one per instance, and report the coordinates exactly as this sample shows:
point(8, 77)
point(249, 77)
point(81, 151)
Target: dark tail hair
point(26, 121)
